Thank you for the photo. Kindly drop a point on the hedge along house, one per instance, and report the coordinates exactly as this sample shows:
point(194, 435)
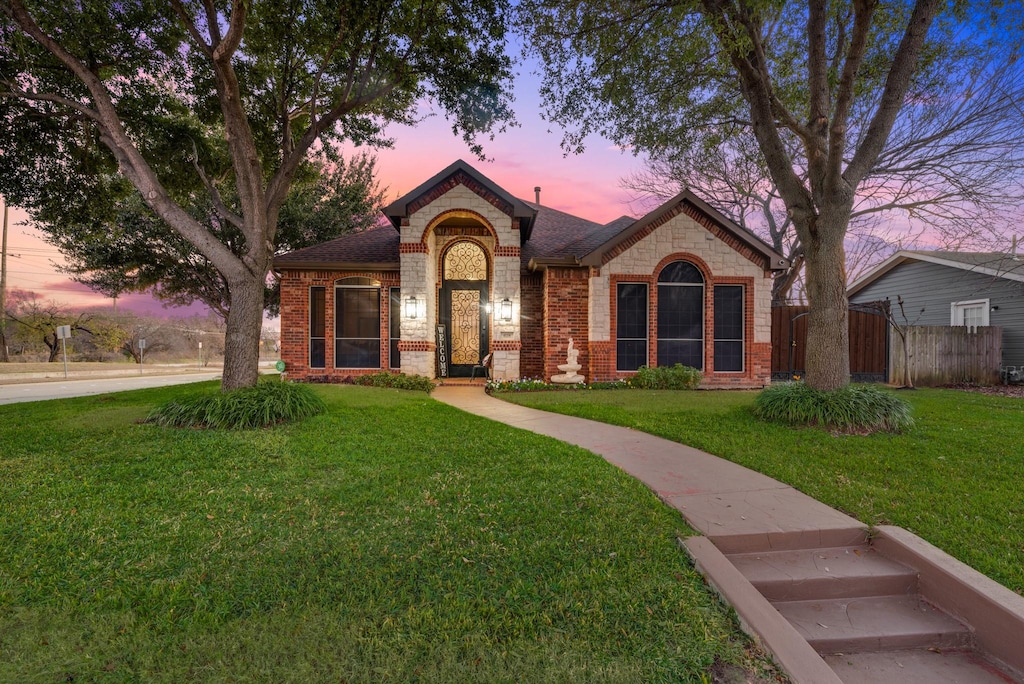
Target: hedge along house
point(466, 269)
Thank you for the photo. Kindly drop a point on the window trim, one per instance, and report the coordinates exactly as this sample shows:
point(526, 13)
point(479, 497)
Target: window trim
point(340, 285)
point(323, 325)
point(955, 307)
point(743, 328)
point(703, 285)
point(647, 327)
point(394, 314)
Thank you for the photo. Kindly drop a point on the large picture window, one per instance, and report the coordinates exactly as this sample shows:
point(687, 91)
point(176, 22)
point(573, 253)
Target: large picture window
point(729, 328)
point(681, 315)
point(317, 327)
point(395, 326)
point(631, 326)
point(357, 323)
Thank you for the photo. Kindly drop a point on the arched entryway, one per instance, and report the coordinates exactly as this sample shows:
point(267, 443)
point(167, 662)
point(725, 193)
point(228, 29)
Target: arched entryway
point(463, 306)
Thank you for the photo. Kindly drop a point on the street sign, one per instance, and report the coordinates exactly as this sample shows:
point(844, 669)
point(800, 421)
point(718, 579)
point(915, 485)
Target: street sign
point(63, 332)
point(142, 344)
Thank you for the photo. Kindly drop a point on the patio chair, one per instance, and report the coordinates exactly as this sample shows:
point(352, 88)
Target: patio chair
point(484, 365)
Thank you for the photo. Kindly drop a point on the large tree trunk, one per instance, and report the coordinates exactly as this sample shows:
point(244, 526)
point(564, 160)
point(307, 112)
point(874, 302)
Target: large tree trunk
point(828, 330)
point(242, 342)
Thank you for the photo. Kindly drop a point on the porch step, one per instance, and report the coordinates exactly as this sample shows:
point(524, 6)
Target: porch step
point(874, 623)
point(829, 573)
point(920, 666)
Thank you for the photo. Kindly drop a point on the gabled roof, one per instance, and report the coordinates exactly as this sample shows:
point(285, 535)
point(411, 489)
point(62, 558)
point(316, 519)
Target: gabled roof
point(996, 264)
point(461, 171)
point(374, 248)
point(676, 205)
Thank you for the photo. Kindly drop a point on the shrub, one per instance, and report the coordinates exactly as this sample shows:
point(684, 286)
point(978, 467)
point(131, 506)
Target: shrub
point(396, 381)
point(268, 403)
point(677, 377)
point(854, 408)
point(536, 385)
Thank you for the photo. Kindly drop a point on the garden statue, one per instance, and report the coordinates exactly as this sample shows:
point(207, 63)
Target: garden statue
point(569, 376)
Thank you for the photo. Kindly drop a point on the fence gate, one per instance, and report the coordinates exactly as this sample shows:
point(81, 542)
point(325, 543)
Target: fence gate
point(869, 343)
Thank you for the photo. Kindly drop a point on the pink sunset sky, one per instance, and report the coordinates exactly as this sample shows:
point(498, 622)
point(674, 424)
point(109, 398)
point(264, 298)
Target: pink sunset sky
point(518, 160)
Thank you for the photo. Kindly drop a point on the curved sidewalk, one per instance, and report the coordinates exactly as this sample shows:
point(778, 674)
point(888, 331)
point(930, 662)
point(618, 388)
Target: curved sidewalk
point(734, 506)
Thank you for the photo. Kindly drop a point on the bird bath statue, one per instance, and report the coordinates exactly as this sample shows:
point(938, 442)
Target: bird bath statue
point(569, 376)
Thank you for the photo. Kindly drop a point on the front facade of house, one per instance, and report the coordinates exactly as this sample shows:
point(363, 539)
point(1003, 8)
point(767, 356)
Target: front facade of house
point(465, 269)
point(953, 288)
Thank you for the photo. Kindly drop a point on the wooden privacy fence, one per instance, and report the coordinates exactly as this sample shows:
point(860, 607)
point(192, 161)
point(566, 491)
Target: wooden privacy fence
point(868, 342)
point(943, 355)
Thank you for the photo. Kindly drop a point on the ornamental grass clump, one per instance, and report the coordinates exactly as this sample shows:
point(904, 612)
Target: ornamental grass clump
point(268, 403)
point(854, 408)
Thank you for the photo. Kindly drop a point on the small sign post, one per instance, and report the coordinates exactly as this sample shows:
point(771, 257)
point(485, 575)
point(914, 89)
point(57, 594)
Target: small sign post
point(200, 356)
point(142, 352)
point(63, 333)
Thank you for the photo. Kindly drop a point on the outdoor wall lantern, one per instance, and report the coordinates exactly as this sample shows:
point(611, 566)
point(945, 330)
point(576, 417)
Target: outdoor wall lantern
point(506, 310)
point(414, 308)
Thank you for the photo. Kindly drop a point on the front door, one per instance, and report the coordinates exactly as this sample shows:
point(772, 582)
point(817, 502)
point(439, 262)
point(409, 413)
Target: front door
point(464, 311)
point(463, 306)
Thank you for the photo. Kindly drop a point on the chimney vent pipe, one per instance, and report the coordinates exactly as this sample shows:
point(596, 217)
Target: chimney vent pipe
point(536, 192)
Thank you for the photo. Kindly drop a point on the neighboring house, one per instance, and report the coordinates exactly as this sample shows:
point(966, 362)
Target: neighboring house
point(465, 269)
point(953, 288)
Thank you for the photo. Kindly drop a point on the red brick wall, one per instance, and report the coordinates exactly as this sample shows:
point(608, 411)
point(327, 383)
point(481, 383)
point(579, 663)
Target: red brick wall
point(295, 321)
point(566, 297)
point(531, 357)
point(757, 355)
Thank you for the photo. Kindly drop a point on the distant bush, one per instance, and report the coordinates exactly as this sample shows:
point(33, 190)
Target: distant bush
point(268, 403)
point(677, 377)
point(396, 381)
point(854, 408)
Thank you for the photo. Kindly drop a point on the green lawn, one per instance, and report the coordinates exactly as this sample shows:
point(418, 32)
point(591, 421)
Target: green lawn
point(956, 479)
point(391, 539)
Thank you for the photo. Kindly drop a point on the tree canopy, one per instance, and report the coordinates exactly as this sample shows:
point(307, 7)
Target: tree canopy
point(136, 251)
point(220, 103)
point(819, 87)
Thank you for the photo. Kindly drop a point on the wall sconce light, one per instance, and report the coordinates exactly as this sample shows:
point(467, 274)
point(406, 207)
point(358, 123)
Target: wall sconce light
point(506, 310)
point(994, 308)
point(412, 308)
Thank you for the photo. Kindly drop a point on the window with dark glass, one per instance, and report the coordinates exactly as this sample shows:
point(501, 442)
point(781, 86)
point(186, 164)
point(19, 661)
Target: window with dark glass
point(317, 327)
point(681, 315)
point(728, 327)
point(395, 326)
point(356, 324)
point(631, 326)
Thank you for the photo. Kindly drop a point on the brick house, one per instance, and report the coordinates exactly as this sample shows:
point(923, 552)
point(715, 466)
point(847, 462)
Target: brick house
point(464, 269)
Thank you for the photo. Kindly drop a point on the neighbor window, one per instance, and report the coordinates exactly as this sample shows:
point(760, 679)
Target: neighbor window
point(681, 315)
point(631, 326)
point(317, 327)
point(395, 326)
point(357, 323)
point(728, 327)
point(971, 314)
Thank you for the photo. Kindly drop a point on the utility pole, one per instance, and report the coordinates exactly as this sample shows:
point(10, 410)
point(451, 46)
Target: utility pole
point(3, 291)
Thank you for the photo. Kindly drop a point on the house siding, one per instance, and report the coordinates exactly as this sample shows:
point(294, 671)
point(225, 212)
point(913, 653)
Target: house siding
point(928, 290)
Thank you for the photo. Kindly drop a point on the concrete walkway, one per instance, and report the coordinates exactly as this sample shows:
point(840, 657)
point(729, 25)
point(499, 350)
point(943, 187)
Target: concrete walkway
point(732, 505)
point(818, 566)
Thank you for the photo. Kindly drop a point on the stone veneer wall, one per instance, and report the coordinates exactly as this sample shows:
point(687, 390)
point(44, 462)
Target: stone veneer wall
point(295, 307)
point(566, 293)
point(421, 249)
point(722, 258)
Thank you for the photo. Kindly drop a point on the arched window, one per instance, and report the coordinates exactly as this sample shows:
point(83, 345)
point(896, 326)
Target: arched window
point(681, 315)
point(465, 261)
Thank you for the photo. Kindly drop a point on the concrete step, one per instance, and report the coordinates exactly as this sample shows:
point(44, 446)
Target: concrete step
point(920, 666)
point(874, 623)
point(841, 572)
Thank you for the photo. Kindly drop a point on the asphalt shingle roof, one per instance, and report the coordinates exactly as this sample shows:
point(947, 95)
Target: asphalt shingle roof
point(377, 245)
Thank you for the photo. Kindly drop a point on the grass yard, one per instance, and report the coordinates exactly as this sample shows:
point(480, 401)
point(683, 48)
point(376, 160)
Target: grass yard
point(955, 479)
point(393, 539)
